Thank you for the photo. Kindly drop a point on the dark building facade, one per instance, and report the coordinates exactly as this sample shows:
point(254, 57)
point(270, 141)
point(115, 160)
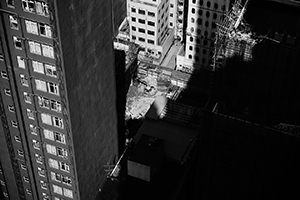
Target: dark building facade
point(119, 14)
point(58, 98)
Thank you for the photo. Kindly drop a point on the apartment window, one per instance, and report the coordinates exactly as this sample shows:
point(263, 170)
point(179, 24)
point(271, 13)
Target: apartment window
point(142, 12)
point(14, 22)
point(133, 19)
point(51, 149)
point(133, 37)
point(55, 105)
point(48, 51)
point(38, 67)
point(35, 47)
point(21, 62)
point(5, 194)
point(41, 85)
point(17, 42)
point(36, 144)
point(133, 28)
point(193, 10)
point(44, 102)
point(7, 92)
point(141, 30)
point(23, 166)
point(26, 179)
point(28, 191)
point(45, 30)
point(45, 196)
point(53, 88)
point(31, 27)
point(10, 3)
point(150, 41)
point(142, 21)
point(14, 124)
point(44, 185)
point(66, 180)
point(171, 14)
point(171, 5)
point(27, 97)
point(200, 12)
point(57, 189)
point(20, 153)
point(4, 75)
point(141, 39)
point(39, 158)
point(46, 119)
point(191, 39)
point(1, 57)
point(151, 14)
point(58, 122)
point(150, 23)
point(203, 60)
point(17, 138)
point(62, 152)
point(55, 177)
point(68, 193)
point(59, 137)
point(24, 80)
point(133, 10)
point(53, 163)
point(191, 48)
point(28, 5)
point(30, 114)
point(50, 70)
point(208, 4)
point(41, 172)
point(151, 32)
point(33, 129)
point(48, 134)
point(64, 167)
point(42, 8)
point(199, 21)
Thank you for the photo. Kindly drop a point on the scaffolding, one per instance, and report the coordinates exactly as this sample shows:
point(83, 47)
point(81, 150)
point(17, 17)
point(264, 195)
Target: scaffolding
point(233, 37)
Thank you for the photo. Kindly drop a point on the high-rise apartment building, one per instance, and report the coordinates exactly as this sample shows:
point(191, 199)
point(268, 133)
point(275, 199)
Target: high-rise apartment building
point(149, 25)
point(57, 98)
point(202, 19)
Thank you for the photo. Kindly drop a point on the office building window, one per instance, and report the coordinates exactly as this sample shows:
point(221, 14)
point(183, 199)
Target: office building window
point(171, 5)
point(44, 102)
point(26, 179)
point(30, 114)
point(58, 122)
point(41, 172)
point(1, 57)
point(41, 85)
point(42, 8)
point(48, 51)
point(2, 182)
point(38, 67)
point(51, 149)
point(23, 166)
point(55, 105)
point(150, 41)
point(133, 28)
point(50, 70)
point(142, 21)
point(33, 129)
point(55, 177)
point(193, 10)
point(151, 32)
point(35, 47)
point(215, 16)
point(141, 39)
point(48, 134)
point(27, 97)
point(133, 19)
point(17, 42)
point(11, 108)
point(59, 137)
point(20, 153)
point(24, 80)
point(10, 3)
point(39, 158)
point(151, 14)
point(45, 196)
point(141, 30)
point(14, 22)
point(53, 88)
point(133, 37)
point(66, 180)
point(28, 192)
point(7, 92)
point(133, 10)
point(68, 193)
point(14, 124)
point(171, 24)
point(45, 30)
point(46, 119)
point(31, 27)
point(17, 138)
point(57, 189)
point(62, 152)
point(190, 56)
point(5, 194)
point(21, 62)
point(4, 75)
point(64, 167)
point(28, 5)
point(36, 144)
point(150, 23)
point(142, 12)
point(44, 185)
point(53, 163)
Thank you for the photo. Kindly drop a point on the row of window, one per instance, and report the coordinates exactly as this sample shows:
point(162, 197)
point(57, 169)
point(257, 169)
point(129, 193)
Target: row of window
point(209, 4)
point(141, 30)
point(57, 151)
point(143, 39)
point(205, 41)
point(52, 120)
point(143, 12)
point(142, 21)
point(38, 7)
point(49, 87)
point(35, 47)
point(56, 164)
point(63, 191)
